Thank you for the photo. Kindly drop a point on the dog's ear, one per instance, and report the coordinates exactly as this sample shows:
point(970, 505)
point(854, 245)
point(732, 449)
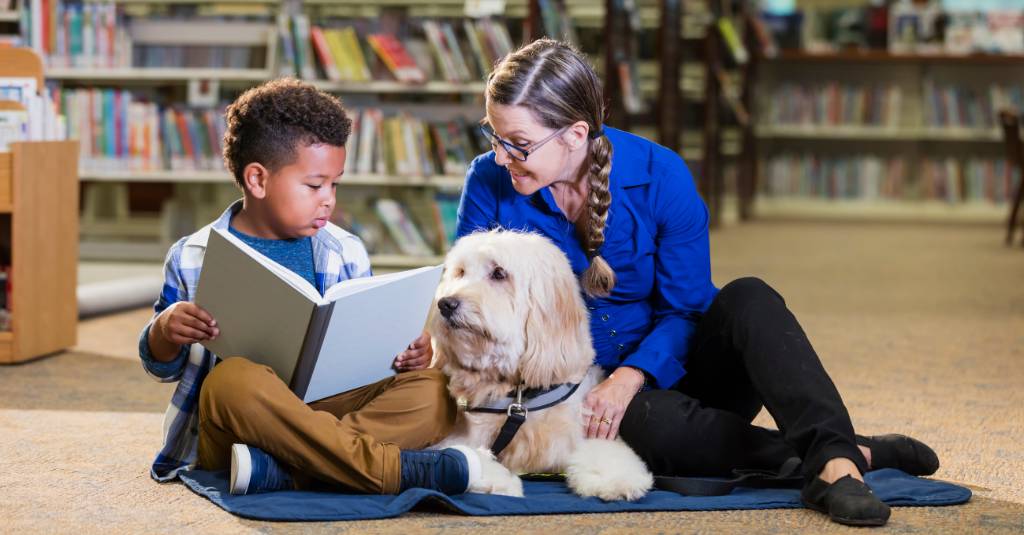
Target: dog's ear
point(558, 343)
point(440, 357)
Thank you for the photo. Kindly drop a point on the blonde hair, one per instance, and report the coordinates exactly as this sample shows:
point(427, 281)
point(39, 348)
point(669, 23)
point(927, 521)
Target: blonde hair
point(554, 80)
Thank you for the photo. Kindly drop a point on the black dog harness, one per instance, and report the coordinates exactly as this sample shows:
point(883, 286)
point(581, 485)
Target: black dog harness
point(518, 404)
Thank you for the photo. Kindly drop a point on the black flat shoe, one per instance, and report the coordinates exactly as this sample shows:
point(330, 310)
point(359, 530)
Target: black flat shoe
point(902, 453)
point(847, 501)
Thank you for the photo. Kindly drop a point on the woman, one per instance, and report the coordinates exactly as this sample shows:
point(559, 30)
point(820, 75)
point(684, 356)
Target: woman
point(690, 366)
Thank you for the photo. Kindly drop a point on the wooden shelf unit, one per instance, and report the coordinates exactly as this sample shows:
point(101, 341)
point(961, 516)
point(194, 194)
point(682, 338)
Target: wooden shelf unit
point(43, 224)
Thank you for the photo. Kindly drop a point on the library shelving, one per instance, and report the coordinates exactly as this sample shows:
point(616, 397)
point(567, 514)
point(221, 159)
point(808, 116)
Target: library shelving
point(39, 234)
point(849, 109)
point(110, 191)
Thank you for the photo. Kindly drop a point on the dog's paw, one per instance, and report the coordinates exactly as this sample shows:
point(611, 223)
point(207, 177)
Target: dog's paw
point(492, 477)
point(608, 469)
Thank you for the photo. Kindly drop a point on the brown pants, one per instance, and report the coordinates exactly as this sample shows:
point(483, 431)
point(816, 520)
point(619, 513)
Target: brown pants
point(350, 440)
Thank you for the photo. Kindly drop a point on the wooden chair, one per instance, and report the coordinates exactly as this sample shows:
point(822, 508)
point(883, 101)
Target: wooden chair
point(1010, 120)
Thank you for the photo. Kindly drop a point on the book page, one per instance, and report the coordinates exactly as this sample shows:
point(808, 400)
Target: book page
point(260, 316)
point(351, 286)
point(369, 328)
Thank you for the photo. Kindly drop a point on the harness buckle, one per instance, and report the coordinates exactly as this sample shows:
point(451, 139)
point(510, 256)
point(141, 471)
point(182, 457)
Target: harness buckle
point(517, 407)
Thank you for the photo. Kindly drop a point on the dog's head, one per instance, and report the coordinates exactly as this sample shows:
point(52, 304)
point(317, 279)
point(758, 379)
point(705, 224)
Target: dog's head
point(509, 309)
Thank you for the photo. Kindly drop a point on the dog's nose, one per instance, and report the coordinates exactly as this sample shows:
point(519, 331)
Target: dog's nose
point(447, 306)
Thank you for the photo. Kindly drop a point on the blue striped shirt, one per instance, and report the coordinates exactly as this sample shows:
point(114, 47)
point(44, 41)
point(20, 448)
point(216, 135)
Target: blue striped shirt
point(338, 255)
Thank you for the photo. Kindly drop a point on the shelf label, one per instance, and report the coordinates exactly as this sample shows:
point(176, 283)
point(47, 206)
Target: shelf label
point(484, 8)
point(203, 93)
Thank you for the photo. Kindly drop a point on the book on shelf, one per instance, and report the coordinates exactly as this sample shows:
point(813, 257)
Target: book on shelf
point(558, 24)
point(41, 120)
point(118, 130)
point(402, 229)
point(318, 345)
point(733, 42)
point(285, 59)
point(407, 146)
point(77, 34)
point(13, 127)
point(127, 131)
point(303, 49)
point(324, 55)
point(965, 106)
point(105, 34)
point(861, 177)
point(445, 210)
point(347, 50)
point(834, 104)
point(870, 177)
point(394, 54)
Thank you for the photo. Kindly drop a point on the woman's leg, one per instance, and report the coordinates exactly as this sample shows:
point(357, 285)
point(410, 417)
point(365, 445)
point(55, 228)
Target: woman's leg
point(676, 435)
point(749, 348)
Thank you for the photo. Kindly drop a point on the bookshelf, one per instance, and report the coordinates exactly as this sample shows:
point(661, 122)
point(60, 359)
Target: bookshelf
point(111, 187)
point(110, 226)
point(885, 136)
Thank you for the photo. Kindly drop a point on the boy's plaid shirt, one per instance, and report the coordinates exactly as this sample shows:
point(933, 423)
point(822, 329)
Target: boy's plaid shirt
point(338, 255)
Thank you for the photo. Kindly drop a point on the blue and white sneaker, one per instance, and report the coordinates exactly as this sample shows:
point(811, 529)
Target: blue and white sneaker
point(450, 470)
point(254, 470)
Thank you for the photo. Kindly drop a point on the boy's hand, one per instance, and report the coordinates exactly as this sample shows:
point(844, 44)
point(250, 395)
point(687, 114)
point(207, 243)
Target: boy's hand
point(417, 356)
point(185, 323)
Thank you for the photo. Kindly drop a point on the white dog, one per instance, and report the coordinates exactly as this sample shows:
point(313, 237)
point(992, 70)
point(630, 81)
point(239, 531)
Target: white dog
point(510, 318)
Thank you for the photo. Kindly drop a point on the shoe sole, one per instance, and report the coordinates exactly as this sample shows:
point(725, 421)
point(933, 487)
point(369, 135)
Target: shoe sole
point(841, 520)
point(241, 469)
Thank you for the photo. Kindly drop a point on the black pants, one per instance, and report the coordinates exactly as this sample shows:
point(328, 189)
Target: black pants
point(748, 350)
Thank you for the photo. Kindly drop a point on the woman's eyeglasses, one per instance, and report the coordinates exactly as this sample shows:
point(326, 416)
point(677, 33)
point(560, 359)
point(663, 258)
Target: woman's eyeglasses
point(515, 152)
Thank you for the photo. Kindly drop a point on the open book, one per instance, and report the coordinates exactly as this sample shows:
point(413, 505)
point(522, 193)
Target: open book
point(319, 346)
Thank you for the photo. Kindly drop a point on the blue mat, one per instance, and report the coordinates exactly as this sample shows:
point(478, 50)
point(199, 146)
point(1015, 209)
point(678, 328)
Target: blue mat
point(547, 497)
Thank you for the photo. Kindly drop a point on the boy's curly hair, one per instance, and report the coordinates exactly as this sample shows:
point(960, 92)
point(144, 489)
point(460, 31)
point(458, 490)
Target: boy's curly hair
point(266, 124)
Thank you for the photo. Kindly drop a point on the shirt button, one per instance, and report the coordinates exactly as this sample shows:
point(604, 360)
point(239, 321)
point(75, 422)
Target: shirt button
point(612, 333)
point(620, 347)
point(604, 317)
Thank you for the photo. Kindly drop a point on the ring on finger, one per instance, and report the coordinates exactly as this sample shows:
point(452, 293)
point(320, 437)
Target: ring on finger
point(606, 421)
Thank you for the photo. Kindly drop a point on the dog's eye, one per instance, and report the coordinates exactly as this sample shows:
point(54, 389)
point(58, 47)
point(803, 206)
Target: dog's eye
point(499, 274)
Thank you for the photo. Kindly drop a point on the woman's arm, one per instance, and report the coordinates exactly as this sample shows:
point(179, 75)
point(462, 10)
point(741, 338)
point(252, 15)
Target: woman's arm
point(682, 291)
point(682, 288)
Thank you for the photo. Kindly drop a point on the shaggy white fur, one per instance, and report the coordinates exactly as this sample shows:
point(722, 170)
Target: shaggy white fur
point(509, 312)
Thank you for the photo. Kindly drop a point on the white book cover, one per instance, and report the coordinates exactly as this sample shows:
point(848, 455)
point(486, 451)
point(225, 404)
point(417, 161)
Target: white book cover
point(319, 346)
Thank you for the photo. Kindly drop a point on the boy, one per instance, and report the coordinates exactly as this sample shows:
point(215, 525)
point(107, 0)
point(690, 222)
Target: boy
point(285, 146)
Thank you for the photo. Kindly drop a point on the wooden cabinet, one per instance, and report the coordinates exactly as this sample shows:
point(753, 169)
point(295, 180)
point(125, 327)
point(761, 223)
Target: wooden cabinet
point(39, 224)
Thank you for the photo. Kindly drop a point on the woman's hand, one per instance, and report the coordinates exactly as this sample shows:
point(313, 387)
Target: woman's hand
point(608, 401)
point(416, 356)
